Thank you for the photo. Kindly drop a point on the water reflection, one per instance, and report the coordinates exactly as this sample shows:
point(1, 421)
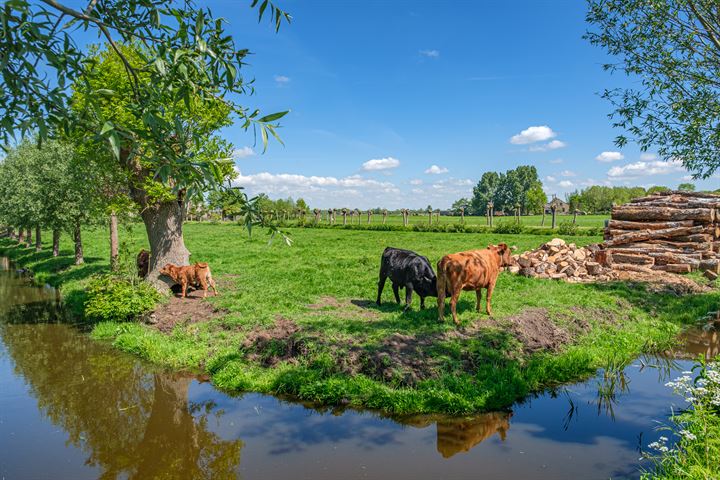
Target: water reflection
point(129, 421)
point(460, 434)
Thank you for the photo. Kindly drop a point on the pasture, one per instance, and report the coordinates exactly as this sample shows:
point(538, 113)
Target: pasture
point(590, 221)
point(317, 334)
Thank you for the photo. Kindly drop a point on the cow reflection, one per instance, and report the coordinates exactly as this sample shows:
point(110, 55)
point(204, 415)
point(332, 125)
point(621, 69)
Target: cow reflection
point(456, 435)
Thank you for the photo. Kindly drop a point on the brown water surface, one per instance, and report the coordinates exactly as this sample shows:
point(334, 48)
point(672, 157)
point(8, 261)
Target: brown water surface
point(72, 408)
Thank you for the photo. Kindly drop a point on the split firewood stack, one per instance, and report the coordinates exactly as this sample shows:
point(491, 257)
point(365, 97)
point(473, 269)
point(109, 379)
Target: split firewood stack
point(559, 260)
point(672, 231)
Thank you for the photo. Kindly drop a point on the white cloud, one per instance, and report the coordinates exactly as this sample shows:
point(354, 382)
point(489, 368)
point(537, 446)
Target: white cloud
point(550, 179)
point(416, 181)
point(647, 157)
point(282, 80)
point(532, 135)
point(642, 169)
point(243, 152)
point(609, 157)
point(553, 145)
point(381, 164)
point(430, 53)
point(435, 170)
point(556, 161)
point(565, 184)
point(687, 178)
point(567, 173)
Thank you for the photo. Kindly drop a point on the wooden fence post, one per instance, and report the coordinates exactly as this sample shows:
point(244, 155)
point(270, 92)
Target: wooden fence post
point(553, 208)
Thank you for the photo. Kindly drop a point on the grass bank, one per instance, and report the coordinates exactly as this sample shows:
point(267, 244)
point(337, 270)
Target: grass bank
point(301, 320)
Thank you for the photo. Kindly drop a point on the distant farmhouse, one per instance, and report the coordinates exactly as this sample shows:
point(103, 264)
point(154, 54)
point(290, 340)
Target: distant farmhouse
point(560, 206)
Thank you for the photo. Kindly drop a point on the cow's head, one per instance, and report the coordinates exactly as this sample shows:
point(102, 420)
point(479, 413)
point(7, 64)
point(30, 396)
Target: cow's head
point(503, 252)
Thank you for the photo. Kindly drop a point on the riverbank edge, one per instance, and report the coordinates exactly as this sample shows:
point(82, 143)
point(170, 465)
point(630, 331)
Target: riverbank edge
point(601, 348)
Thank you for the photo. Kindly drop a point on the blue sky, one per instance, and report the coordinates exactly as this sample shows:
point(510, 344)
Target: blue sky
point(407, 103)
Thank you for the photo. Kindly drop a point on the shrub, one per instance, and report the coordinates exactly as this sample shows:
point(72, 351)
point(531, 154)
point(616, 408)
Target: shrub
point(568, 228)
point(508, 227)
point(115, 299)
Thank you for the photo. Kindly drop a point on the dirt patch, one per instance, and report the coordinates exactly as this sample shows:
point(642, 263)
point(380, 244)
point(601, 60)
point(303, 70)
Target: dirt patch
point(346, 308)
point(536, 331)
point(281, 342)
point(183, 311)
point(404, 359)
point(665, 282)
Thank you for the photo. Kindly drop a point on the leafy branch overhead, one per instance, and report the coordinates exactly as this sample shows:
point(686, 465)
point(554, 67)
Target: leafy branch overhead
point(673, 48)
point(171, 53)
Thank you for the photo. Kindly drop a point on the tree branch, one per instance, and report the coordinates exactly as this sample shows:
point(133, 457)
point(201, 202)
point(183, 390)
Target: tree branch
point(708, 28)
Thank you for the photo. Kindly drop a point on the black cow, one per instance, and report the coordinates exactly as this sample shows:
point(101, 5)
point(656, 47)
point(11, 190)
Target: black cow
point(409, 270)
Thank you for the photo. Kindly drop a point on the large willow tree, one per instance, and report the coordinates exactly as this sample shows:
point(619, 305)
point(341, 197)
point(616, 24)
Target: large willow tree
point(181, 59)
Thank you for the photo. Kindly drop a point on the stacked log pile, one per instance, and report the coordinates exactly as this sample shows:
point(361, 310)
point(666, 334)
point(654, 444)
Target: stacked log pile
point(561, 261)
point(673, 231)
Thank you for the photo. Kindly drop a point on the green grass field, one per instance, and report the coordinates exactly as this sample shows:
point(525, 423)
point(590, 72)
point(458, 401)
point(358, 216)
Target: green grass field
point(318, 336)
point(582, 221)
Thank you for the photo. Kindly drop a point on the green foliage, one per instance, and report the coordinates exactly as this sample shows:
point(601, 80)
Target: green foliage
point(686, 187)
point(188, 56)
point(110, 298)
point(657, 189)
point(52, 185)
point(568, 228)
point(536, 199)
point(671, 52)
point(508, 227)
point(600, 199)
point(506, 190)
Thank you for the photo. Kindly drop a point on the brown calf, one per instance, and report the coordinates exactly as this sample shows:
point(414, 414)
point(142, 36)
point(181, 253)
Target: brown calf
point(191, 275)
point(472, 270)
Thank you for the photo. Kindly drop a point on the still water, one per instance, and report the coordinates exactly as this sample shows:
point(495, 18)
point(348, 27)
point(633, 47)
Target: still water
point(71, 408)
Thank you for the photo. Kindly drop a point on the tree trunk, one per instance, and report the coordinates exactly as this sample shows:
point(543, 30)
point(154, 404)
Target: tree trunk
point(38, 241)
point(28, 237)
point(542, 222)
point(21, 235)
point(163, 223)
point(56, 242)
point(627, 225)
point(114, 248)
point(553, 210)
point(649, 213)
point(77, 238)
point(642, 235)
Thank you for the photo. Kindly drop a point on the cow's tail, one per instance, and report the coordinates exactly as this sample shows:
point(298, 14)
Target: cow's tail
point(441, 287)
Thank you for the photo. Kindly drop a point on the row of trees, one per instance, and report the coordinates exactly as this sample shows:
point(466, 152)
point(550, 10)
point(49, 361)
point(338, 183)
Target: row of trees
point(600, 199)
point(55, 186)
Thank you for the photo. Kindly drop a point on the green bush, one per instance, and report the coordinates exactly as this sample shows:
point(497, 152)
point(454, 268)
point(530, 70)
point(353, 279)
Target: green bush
point(114, 299)
point(568, 228)
point(508, 227)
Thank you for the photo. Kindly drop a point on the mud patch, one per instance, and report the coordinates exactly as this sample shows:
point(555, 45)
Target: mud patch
point(403, 359)
point(346, 308)
point(280, 342)
point(536, 331)
point(183, 311)
point(664, 282)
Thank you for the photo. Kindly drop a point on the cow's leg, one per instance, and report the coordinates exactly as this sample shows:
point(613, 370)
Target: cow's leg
point(453, 305)
point(396, 291)
point(408, 296)
point(203, 285)
point(478, 294)
point(441, 292)
point(490, 289)
point(381, 286)
point(184, 288)
point(422, 303)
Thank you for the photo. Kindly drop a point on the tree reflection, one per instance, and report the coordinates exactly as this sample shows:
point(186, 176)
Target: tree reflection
point(130, 421)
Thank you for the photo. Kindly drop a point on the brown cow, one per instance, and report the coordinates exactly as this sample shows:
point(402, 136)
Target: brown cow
point(472, 270)
point(191, 275)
